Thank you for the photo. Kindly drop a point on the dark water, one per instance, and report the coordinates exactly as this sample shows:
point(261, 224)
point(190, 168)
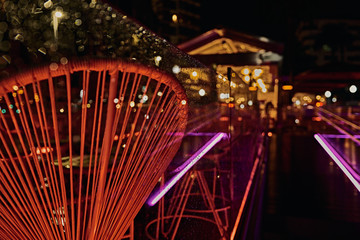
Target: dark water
point(307, 196)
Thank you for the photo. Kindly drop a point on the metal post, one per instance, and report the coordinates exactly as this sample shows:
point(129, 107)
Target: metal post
point(230, 141)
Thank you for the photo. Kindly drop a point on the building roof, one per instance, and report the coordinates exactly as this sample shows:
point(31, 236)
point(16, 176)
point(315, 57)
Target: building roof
point(236, 42)
point(228, 47)
point(327, 77)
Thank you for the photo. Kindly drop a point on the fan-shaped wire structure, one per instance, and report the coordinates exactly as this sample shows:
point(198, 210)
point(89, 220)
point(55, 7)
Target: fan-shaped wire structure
point(82, 146)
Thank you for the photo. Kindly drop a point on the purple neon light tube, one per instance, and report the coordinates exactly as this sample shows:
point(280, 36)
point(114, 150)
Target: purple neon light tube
point(195, 134)
point(185, 167)
point(338, 136)
point(340, 161)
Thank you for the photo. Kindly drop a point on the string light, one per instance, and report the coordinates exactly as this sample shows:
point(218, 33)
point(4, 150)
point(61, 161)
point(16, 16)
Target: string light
point(157, 60)
point(176, 69)
point(48, 4)
point(58, 14)
point(75, 40)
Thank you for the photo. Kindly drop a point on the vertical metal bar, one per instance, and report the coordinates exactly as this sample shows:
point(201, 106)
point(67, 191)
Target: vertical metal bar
point(230, 142)
point(132, 230)
point(105, 151)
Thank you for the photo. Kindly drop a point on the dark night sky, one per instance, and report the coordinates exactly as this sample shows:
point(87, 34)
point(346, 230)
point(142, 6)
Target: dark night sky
point(275, 19)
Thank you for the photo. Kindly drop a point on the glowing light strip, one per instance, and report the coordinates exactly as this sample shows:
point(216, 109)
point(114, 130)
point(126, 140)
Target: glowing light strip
point(247, 190)
point(339, 129)
point(193, 134)
point(338, 136)
point(185, 167)
point(349, 172)
point(353, 172)
point(353, 125)
point(201, 134)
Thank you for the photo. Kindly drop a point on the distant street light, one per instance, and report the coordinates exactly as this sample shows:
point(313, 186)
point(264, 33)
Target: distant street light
point(327, 94)
point(174, 18)
point(287, 87)
point(353, 89)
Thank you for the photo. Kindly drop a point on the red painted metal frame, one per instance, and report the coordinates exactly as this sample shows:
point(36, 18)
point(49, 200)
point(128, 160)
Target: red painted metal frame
point(87, 184)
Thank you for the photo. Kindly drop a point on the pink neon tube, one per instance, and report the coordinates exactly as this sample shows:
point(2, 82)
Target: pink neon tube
point(185, 167)
point(341, 162)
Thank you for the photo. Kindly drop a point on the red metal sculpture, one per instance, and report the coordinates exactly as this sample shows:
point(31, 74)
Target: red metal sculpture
point(82, 144)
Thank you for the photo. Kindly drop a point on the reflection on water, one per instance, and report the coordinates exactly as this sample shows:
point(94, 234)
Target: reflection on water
point(347, 148)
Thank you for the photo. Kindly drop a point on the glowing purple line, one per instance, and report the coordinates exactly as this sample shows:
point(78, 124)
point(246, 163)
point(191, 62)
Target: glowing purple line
point(193, 134)
point(349, 172)
point(185, 167)
point(339, 157)
point(339, 136)
point(328, 121)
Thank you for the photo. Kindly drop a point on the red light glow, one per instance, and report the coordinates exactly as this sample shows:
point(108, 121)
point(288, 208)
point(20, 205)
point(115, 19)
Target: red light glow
point(43, 150)
point(316, 119)
point(224, 119)
point(319, 104)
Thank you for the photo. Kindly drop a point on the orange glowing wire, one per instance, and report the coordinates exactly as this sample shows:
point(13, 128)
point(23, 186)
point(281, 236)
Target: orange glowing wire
point(78, 157)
